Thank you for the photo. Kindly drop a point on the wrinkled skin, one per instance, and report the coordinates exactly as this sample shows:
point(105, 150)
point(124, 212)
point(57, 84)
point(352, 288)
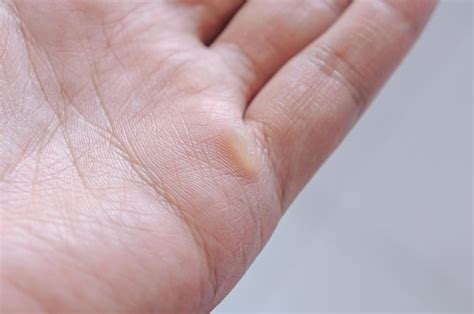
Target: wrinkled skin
point(142, 165)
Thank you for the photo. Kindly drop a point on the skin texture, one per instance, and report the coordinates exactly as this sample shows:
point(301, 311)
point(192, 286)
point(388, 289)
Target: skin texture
point(148, 149)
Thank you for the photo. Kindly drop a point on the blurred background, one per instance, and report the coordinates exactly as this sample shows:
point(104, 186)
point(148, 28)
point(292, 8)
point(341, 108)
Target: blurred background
point(386, 224)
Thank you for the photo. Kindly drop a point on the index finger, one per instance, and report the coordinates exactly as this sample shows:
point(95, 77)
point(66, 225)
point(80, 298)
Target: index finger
point(310, 104)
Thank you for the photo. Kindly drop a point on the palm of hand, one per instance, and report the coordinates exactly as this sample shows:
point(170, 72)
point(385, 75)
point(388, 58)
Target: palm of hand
point(127, 153)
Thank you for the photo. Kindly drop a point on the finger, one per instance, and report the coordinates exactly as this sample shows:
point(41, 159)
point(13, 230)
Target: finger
point(264, 34)
point(210, 16)
point(307, 108)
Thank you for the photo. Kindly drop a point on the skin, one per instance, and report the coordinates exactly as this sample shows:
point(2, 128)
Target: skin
point(148, 149)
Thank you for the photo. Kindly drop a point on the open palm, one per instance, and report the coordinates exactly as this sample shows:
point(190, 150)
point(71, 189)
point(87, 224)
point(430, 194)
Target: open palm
point(148, 149)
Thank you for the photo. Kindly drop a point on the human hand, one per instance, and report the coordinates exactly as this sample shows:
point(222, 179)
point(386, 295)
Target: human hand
point(148, 149)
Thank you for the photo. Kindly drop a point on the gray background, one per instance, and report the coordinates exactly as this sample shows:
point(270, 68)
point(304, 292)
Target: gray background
point(386, 223)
